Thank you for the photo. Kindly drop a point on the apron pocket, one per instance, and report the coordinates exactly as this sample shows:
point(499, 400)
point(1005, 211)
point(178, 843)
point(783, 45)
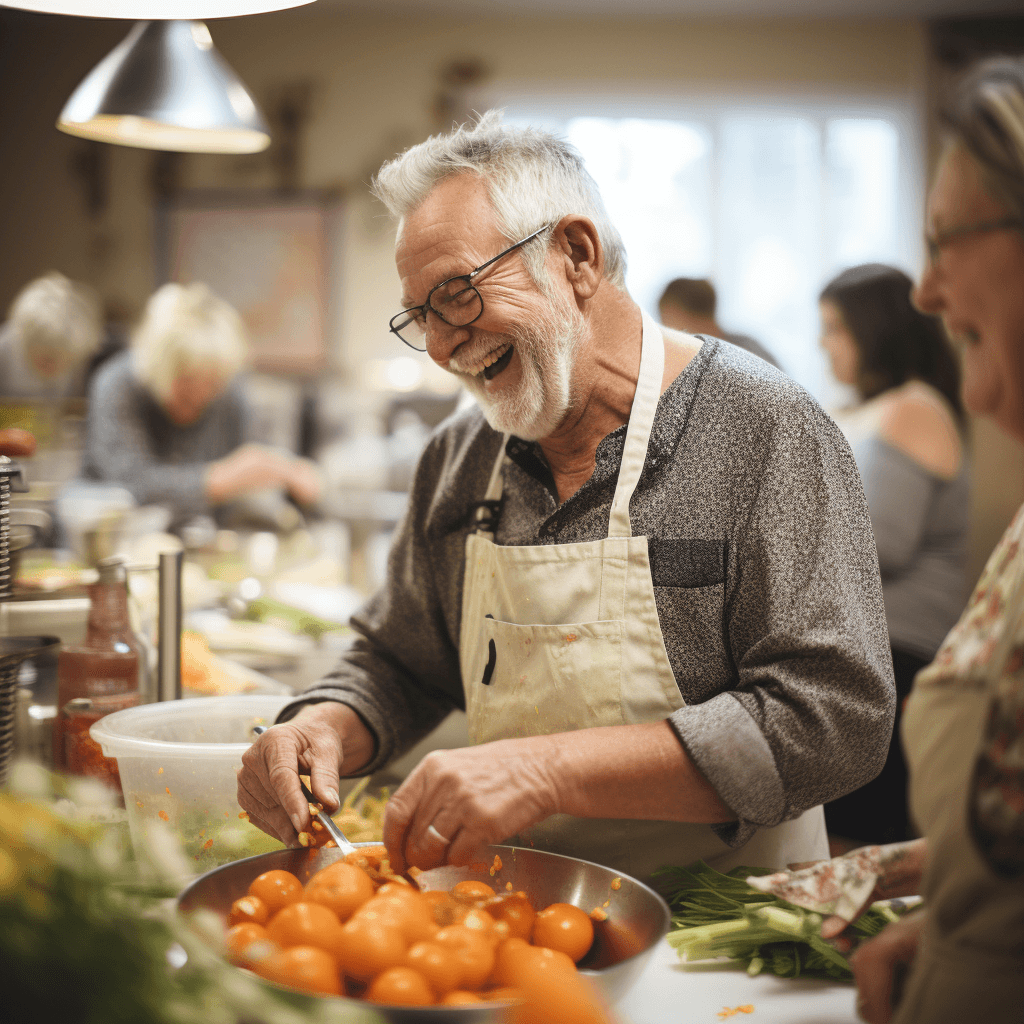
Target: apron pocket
point(535, 680)
point(701, 663)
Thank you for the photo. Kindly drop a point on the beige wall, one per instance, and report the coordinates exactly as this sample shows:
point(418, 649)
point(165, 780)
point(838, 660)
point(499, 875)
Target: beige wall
point(374, 81)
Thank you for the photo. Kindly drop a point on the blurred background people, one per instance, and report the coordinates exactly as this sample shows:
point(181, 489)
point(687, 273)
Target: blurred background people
point(54, 327)
point(906, 432)
point(168, 419)
point(690, 304)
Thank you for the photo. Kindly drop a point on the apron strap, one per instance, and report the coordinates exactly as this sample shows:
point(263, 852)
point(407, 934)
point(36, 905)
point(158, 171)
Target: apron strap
point(485, 512)
point(638, 433)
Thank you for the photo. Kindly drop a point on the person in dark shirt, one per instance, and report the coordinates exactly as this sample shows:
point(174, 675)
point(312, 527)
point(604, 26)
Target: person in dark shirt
point(690, 304)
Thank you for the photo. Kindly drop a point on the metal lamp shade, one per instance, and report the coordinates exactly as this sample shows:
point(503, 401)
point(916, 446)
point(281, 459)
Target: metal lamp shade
point(166, 87)
point(153, 10)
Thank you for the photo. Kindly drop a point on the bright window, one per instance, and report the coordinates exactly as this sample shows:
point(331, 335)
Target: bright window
point(769, 201)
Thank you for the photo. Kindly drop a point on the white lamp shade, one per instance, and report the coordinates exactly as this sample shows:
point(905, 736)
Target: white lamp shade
point(155, 10)
point(166, 87)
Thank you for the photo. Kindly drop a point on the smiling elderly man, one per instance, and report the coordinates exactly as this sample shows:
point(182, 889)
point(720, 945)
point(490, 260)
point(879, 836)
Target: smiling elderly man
point(643, 563)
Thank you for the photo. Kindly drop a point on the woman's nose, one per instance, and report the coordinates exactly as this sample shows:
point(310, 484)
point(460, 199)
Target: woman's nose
point(926, 295)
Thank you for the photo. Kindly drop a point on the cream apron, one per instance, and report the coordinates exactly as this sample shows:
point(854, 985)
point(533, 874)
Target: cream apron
point(561, 637)
point(970, 965)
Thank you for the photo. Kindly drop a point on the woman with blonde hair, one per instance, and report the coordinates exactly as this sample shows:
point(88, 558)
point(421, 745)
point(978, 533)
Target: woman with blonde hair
point(169, 421)
point(54, 325)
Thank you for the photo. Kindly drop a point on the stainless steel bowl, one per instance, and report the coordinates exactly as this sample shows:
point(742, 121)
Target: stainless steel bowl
point(637, 916)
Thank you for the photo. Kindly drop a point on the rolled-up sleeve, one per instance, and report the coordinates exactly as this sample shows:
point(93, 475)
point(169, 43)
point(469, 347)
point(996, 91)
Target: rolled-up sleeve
point(811, 714)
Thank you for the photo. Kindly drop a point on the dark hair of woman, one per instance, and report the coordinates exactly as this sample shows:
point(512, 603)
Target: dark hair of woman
point(895, 341)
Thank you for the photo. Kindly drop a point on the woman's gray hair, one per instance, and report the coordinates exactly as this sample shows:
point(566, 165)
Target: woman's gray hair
point(187, 327)
point(533, 178)
point(53, 312)
point(986, 118)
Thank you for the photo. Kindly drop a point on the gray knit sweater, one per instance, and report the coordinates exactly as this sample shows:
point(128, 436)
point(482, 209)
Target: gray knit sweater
point(764, 570)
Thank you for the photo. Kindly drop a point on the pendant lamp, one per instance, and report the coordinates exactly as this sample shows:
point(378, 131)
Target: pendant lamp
point(155, 10)
point(166, 87)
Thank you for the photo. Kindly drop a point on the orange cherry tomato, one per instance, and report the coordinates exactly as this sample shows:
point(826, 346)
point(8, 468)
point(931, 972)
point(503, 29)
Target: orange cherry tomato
point(341, 887)
point(480, 921)
point(507, 960)
point(367, 947)
point(411, 916)
point(304, 924)
point(474, 953)
point(277, 889)
point(400, 986)
point(516, 911)
point(460, 997)
point(564, 927)
point(471, 891)
point(302, 967)
point(249, 908)
point(438, 964)
point(241, 936)
point(446, 911)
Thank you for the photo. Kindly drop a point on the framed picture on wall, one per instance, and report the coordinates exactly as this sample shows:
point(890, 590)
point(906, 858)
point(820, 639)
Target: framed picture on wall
point(272, 256)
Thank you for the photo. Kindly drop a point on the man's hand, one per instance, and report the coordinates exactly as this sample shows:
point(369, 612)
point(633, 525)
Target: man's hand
point(876, 962)
point(323, 740)
point(252, 467)
point(456, 802)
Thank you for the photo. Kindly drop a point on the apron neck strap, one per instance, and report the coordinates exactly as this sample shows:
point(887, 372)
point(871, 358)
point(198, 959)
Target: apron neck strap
point(641, 420)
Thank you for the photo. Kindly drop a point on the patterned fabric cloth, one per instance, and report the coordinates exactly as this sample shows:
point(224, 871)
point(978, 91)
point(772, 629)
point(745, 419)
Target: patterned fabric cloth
point(765, 579)
point(989, 645)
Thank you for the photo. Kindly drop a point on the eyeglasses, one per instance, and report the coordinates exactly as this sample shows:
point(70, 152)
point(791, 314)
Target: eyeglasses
point(454, 301)
point(935, 243)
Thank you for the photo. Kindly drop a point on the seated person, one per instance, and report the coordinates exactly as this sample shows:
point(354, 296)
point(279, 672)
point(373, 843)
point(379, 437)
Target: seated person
point(690, 303)
point(54, 326)
point(168, 418)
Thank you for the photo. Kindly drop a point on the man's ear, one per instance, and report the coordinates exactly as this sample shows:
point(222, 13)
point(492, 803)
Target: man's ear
point(581, 253)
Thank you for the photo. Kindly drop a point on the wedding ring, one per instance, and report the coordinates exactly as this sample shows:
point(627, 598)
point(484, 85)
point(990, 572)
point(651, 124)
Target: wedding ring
point(434, 834)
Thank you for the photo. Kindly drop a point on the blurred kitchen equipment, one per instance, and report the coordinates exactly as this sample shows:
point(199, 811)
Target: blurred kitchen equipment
point(11, 479)
point(82, 754)
point(156, 9)
point(177, 761)
point(637, 916)
point(14, 650)
point(165, 86)
point(169, 627)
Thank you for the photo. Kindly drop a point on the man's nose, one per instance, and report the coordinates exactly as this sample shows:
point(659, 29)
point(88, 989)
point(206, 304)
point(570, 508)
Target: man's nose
point(443, 339)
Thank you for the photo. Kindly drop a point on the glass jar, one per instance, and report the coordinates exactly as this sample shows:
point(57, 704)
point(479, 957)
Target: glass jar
point(110, 661)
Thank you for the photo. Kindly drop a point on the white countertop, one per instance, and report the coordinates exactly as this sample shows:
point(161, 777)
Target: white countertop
point(669, 991)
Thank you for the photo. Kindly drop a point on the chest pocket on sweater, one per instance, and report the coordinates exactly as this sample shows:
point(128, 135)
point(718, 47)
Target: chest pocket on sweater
point(689, 589)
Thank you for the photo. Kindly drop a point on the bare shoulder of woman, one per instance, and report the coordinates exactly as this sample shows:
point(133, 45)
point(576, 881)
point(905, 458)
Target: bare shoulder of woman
point(923, 428)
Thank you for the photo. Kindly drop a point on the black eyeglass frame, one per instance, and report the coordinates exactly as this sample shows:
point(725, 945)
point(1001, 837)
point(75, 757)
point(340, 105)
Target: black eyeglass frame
point(934, 243)
point(468, 278)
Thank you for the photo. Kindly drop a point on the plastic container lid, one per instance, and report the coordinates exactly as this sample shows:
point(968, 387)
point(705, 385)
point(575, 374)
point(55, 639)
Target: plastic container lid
point(204, 728)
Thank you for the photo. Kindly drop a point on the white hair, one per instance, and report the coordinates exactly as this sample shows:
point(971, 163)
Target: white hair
point(55, 313)
point(533, 178)
point(186, 327)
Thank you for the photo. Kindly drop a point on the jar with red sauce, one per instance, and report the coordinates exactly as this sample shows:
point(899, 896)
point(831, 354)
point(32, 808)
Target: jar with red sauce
point(82, 754)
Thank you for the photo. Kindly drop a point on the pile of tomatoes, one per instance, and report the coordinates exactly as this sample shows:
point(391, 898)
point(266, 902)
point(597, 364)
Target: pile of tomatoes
point(350, 932)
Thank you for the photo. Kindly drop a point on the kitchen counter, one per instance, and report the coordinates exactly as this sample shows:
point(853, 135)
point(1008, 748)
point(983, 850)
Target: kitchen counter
point(670, 992)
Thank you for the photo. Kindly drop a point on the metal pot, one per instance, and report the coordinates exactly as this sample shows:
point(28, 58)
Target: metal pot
point(638, 917)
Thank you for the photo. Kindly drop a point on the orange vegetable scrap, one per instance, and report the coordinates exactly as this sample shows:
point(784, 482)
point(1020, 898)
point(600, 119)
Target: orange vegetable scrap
point(597, 914)
point(305, 839)
point(606, 903)
point(207, 844)
point(508, 886)
point(167, 790)
point(159, 771)
point(616, 884)
point(164, 815)
point(731, 1011)
point(139, 804)
point(243, 815)
point(317, 826)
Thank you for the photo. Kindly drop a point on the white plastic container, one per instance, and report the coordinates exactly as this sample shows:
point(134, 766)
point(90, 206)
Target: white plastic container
point(177, 761)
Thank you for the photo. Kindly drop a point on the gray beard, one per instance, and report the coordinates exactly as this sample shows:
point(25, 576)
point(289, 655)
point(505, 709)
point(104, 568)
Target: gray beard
point(547, 356)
